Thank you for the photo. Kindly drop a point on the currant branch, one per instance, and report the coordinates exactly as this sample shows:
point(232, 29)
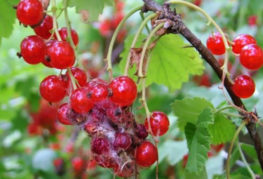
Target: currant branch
point(179, 27)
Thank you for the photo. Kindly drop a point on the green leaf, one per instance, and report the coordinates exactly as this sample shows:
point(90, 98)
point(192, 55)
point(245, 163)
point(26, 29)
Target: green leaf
point(166, 151)
point(198, 141)
point(249, 150)
point(222, 130)
point(201, 174)
point(94, 8)
point(7, 16)
point(188, 110)
point(172, 62)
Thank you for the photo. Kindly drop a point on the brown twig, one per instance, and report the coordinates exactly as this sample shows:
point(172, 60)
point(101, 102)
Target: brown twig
point(178, 27)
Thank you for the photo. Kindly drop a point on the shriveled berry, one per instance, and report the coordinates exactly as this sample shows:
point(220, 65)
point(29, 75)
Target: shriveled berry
point(97, 90)
point(146, 154)
point(44, 29)
point(215, 43)
point(52, 88)
point(243, 86)
point(33, 49)
point(61, 54)
point(63, 114)
point(80, 101)
point(124, 91)
point(79, 75)
point(141, 131)
point(29, 12)
point(242, 40)
point(100, 145)
point(64, 35)
point(159, 123)
point(122, 140)
point(251, 57)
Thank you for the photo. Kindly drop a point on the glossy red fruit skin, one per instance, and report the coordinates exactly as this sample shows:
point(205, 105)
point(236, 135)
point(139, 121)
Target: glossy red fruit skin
point(146, 154)
point(64, 35)
point(124, 91)
point(63, 112)
point(33, 49)
point(243, 86)
point(44, 29)
point(159, 123)
point(52, 88)
point(240, 41)
point(79, 75)
point(215, 44)
point(29, 12)
point(61, 54)
point(251, 57)
point(80, 101)
point(98, 90)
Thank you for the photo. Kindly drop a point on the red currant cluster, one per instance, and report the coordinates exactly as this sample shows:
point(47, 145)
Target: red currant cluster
point(103, 110)
point(250, 56)
point(107, 26)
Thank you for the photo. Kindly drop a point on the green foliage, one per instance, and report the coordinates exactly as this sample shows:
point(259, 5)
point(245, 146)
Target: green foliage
point(94, 8)
point(198, 141)
point(222, 130)
point(172, 62)
point(7, 16)
point(189, 109)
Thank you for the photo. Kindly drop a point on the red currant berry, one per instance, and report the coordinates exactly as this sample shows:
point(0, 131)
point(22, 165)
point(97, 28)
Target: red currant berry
point(252, 20)
point(251, 57)
point(105, 28)
point(215, 43)
point(159, 123)
point(116, 20)
point(146, 154)
point(64, 35)
point(240, 41)
point(98, 90)
point(61, 54)
point(43, 29)
point(33, 49)
point(122, 140)
point(78, 165)
point(100, 145)
point(80, 101)
point(52, 88)
point(141, 131)
point(29, 12)
point(124, 91)
point(79, 75)
point(243, 86)
point(63, 112)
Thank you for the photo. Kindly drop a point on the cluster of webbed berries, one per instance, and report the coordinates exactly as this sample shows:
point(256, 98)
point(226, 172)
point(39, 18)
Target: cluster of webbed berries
point(250, 56)
point(102, 109)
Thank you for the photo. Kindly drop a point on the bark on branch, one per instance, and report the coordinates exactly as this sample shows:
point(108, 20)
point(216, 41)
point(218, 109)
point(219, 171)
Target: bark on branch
point(179, 27)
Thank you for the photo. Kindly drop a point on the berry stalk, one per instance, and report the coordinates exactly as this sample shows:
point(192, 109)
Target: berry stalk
point(55, 25)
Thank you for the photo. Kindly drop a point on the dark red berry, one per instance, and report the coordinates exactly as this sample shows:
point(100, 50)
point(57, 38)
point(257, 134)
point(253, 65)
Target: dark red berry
point(64, 35)
point(124, 91)
point(61, 54)
point(215, 43)
point(141, 131)
point(44, 29)
point(29, 12)
point(243, 86)
point(98, 90)
point(159, 123)
point(80, 101)
point(242, 40)
point(100, 145)
point(63, 114)
point(146, 154)
point(52, 88)
point(122, 140)
point(251, 57)
point(79, 75)
point(33, 49)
